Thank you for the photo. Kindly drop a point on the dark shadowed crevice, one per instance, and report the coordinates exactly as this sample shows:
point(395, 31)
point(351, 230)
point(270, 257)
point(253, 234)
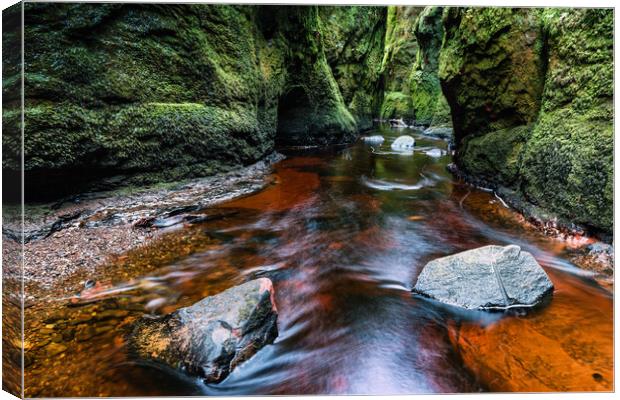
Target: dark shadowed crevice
point(294, 109)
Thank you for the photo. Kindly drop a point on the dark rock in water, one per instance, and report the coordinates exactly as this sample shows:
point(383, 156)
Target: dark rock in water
point(489, 277)
point(213, 336)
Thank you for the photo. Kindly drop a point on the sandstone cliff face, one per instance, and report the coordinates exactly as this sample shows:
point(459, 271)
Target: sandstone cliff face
point(530, 94)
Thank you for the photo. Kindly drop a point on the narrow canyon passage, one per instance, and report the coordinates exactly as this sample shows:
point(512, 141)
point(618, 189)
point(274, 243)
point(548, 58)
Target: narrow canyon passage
point(343, 233)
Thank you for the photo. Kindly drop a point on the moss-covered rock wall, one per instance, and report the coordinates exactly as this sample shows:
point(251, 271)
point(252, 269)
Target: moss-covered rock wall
point(312, 110)
point(163, 92)
point(354, 42)
point(399, 55)
point(146, 93)
point(428, 102)
point(568, 160)
point(174, 90)
point(530, 92)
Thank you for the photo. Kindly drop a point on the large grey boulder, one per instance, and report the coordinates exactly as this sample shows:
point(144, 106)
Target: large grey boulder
point(490, 277)
point(210, 338)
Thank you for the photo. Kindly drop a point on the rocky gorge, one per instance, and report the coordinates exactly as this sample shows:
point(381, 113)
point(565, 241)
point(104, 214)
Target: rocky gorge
point(170, 225)
point(133, 94)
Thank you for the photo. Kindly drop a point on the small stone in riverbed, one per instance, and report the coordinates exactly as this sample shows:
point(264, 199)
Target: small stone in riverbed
point(373, 139)
point(490, 277)
point(213, 336)
point(107, 314)
point(53, 349)
point(440, 132)
point(84, 333)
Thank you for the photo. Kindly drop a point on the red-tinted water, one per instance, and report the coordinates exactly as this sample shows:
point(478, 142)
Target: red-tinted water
point(343, 233)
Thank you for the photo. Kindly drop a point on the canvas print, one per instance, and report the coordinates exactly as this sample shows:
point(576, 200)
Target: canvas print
point(224, 199)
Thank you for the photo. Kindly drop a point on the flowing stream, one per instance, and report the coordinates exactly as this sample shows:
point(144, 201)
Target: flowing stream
point(343, 233)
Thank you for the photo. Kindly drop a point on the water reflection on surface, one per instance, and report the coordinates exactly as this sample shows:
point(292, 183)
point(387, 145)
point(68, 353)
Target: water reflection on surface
point(343, 233)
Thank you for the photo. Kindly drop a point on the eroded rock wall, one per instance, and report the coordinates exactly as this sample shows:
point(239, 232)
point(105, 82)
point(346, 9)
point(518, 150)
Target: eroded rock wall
point(530, 91)
point(428, 102)
point(401, 48)
point(146, 93)
point(171, 90)
point(354, 43)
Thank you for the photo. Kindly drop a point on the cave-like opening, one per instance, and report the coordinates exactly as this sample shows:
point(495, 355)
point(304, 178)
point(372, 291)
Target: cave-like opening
point(294, 112)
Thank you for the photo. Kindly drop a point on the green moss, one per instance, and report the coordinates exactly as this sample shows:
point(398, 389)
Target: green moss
point(531, 94)
point(496, 156)
point(429, 104)
point(401, 47)
point(168, 90)
point(353, 42)
point(312, 109)
point(396, 105)
point(399, 56)
point(568, 164)
point(490, 67)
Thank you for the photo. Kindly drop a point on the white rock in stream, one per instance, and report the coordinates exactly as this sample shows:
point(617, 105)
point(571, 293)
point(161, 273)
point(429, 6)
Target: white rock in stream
point(404, 142)
point(489, 277)
point(434, 153)
point(375, 139)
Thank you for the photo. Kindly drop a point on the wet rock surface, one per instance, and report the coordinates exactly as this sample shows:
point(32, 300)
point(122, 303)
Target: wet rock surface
point(443, 132)
point(212, 337)
point(489, 277)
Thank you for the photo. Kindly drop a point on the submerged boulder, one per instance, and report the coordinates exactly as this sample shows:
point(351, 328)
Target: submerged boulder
point(489, 277)
point(212, 337)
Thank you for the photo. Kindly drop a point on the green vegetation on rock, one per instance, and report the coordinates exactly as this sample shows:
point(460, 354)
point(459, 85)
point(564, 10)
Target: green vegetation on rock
point(175, 91)
point(568, 161)
point(490, 68)
point(144, 93)
point(431, 107)
point(531, 97)
point(311, 109)
point(399, 56)
point(145, 88)
point(354, 41)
